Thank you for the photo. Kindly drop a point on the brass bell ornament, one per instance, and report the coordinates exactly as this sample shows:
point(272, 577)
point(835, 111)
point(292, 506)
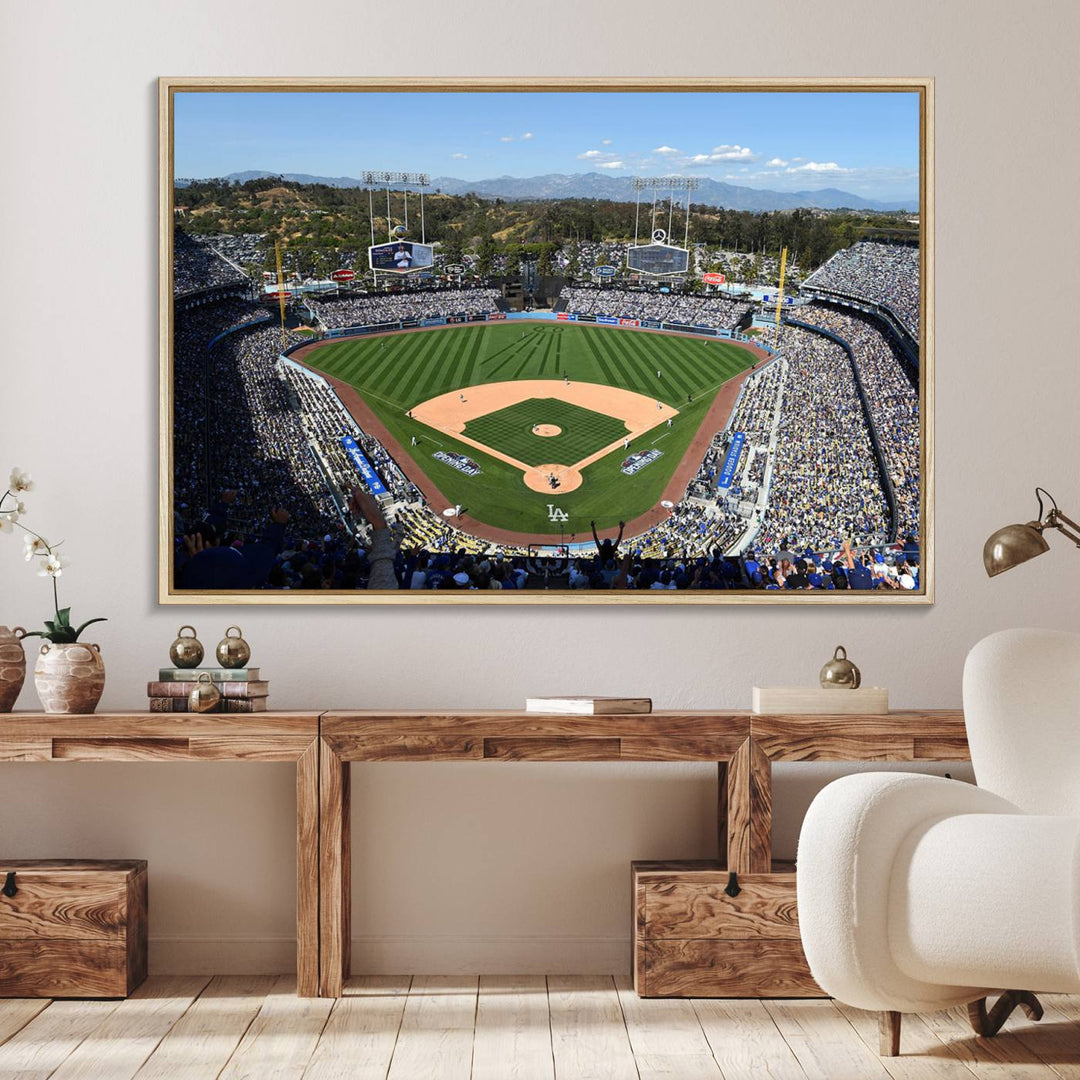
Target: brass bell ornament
point(204, 695)
point(840, 673)
point(186, 651)
point(233, 652)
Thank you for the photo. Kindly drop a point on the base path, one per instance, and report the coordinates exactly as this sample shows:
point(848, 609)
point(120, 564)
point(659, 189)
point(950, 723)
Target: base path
point(450, 412)
point(715, 420)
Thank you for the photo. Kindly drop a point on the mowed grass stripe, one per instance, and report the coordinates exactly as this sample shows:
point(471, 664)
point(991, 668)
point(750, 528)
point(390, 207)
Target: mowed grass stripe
point(461, 358)
point(388, 354)
point(479, 343)
point(424, 366)
point(627, 372)
point(607, 371)
point(689, 374)
point(352, 360)
point(643, 356)
point(412, 364)
point(511, 354)
point(445, 363)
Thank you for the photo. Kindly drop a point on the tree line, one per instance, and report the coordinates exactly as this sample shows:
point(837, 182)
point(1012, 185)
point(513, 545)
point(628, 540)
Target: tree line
point(312, 218)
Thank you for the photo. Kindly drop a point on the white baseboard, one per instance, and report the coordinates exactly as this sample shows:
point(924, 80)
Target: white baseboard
point(430, 954)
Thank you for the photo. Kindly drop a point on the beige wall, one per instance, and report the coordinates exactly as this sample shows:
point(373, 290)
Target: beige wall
point(494, 867)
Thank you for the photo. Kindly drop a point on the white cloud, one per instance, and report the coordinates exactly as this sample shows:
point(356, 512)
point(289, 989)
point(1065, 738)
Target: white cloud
point(459, 156)
point(605, 142)
point(723, 152)
point(589, 154)
point(665, 150)
point(819, 167)
point(612, 165)
point(506, 138)
point(527, 135)
point(776, 161)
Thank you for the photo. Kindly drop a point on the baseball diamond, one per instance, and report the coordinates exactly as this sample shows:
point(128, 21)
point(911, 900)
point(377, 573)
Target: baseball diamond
point(487, 391)
point(512, 430)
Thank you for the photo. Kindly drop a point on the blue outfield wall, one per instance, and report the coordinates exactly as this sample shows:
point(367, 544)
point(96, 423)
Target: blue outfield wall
point(536, 316)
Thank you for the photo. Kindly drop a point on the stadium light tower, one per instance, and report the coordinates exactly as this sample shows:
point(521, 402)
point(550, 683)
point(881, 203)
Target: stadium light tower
point(418, 180)
point(372, 177)
point(671, 184)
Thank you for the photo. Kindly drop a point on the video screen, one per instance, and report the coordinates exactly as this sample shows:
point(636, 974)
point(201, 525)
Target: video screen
point(400, 257)
point(658, 259)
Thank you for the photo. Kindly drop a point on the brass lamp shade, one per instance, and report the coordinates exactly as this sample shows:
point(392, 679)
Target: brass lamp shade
point(1012, 545)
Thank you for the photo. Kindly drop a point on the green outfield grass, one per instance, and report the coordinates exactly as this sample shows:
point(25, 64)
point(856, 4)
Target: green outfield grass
point(396, 372)
point(510, 431)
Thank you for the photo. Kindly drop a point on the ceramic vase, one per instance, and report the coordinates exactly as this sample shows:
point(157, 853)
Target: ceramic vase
point(12, 666)
point(69, 678)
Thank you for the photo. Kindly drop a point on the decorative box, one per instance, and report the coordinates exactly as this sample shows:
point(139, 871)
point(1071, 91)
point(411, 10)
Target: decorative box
point(700, 931)
point(72, 928)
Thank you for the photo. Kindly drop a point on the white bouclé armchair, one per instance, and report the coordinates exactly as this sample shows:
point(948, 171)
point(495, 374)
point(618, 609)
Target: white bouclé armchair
point(918, 893)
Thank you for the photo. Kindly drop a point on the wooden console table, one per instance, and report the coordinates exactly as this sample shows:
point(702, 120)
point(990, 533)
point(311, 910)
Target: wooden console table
point(743, 745)
point(136, 736)
point(322, 745)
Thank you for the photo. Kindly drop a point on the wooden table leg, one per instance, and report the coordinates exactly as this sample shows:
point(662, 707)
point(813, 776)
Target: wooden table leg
point(749, 810)
point(307, 872)
point(334, 872)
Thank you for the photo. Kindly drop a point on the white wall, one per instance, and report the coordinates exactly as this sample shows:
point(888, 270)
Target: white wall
point(494, 867)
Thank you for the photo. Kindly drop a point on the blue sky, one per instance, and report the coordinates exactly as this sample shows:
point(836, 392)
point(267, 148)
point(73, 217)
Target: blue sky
point(866, 143)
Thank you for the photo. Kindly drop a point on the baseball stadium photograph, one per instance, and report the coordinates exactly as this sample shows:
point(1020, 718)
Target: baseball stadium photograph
point(538, 342)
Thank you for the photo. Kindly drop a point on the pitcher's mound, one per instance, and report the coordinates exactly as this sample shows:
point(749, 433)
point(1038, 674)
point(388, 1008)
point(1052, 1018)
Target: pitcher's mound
point(546, 430)
point(539, 479)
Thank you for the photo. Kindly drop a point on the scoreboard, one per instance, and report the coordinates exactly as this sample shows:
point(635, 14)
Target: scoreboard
point(657, 259)
point(400, 257)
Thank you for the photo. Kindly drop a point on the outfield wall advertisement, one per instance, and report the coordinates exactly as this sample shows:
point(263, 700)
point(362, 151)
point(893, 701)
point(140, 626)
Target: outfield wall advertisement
point(541, 316)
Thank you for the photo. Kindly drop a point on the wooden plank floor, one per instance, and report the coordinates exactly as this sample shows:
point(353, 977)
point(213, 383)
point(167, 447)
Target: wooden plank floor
point(524, 1027)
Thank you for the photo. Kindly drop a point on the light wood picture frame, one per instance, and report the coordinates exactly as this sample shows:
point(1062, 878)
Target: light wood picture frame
point(332, 315)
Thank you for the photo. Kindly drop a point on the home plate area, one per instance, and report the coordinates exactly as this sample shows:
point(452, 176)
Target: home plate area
point(550, 429)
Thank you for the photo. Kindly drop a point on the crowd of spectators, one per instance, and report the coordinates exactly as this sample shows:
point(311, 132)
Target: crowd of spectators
point(714, 311)
point(198, 266)
point(341, 311)
point(234, 430)
point(825, 487)
point(588, 254)
point(326, 420)
point(885, 567)
point(268, 435)
point(244, 249)
point(875, 273)
point(893, 401)
point(746, 268)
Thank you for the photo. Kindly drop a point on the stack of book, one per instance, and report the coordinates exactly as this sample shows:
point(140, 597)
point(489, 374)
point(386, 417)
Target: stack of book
point(241, 689)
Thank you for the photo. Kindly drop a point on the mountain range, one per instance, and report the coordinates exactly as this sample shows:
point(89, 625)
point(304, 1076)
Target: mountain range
point(593, 185)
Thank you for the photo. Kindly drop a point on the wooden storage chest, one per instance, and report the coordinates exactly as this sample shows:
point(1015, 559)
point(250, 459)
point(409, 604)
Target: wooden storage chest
point(71, 928)
point(693, 939)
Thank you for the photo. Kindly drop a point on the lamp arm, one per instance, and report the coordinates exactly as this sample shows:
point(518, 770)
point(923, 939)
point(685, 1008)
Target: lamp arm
point(1057, 520)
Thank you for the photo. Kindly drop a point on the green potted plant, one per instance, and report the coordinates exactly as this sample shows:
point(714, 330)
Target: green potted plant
point(69, 674)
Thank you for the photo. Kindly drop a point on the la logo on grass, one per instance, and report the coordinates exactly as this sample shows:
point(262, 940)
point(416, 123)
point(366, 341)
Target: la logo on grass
point(555, 514)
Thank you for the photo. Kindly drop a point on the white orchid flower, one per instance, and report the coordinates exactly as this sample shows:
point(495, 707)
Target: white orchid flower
point(34, 545)
point(7, 520)
point(54, 565)
point(20, 481)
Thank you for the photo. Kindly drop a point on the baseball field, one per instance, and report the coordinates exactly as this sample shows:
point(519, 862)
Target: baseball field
point(549, 413)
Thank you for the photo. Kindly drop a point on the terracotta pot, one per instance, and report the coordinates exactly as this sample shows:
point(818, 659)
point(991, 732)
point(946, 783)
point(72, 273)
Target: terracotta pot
point(12, 666)
point(69, 678)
